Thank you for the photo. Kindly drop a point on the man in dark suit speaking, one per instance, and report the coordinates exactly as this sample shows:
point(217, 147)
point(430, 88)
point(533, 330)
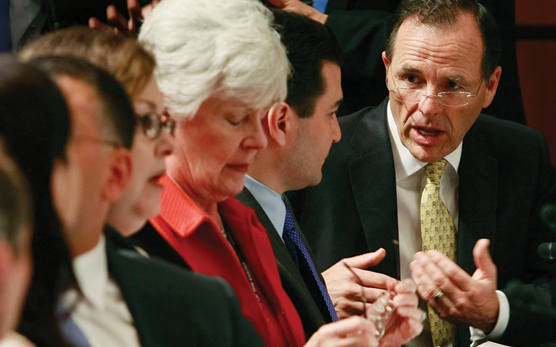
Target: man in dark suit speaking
point(426, 171)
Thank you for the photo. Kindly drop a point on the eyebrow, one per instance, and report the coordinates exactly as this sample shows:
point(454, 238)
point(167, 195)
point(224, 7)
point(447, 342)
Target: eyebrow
point(338, 103)
point(457, 78)
point(408, 68)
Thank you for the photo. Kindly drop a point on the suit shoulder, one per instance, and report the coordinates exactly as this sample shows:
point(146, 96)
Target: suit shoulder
point(497, 127)
point(349, 123)
point(163, 272)
point(506, 135)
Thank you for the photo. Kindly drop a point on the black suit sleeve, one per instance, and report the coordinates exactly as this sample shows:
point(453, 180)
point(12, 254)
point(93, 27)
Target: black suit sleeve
point(531, 305)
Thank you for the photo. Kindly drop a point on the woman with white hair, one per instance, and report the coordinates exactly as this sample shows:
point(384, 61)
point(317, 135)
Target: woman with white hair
point(221, 67)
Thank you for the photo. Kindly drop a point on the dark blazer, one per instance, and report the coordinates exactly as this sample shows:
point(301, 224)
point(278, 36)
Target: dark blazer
point(173, 307)
point(307, 300)
point(505, 178)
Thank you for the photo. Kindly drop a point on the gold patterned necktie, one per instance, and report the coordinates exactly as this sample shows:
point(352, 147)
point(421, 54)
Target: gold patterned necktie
point(438, 233)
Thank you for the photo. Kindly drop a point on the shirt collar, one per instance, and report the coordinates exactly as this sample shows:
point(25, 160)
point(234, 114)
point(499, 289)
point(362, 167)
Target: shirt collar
point(181, 213)
point(91, 273)
point(406, 164)
point(270, 201)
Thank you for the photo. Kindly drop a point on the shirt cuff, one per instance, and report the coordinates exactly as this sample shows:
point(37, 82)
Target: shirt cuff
point(501, 323)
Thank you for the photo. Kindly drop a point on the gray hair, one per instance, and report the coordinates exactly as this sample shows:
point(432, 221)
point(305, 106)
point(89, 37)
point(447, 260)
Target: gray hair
point(205, 48)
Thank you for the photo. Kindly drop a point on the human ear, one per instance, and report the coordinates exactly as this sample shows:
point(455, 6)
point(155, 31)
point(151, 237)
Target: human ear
point(121, 168)
point(277, 119)
point(385, 60)
point(492, 86)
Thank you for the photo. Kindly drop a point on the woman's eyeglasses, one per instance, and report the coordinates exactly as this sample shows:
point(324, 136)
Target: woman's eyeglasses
point(152, 124)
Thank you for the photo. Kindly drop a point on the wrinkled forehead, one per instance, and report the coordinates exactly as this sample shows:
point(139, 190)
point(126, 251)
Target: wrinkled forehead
point(458, 45)
point(464, 28)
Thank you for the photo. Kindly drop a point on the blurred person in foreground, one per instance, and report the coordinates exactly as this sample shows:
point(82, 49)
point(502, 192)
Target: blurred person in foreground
point(16, 221)
point(118, 297)
point(34, 122)
point(132, 66)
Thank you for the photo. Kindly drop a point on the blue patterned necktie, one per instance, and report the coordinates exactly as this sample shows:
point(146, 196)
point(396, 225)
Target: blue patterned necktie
point(69, 329)
point(5, 31)
point(302, 259)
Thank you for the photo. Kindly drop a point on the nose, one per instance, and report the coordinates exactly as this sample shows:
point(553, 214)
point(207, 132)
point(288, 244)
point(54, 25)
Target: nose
point(256, 138)
point(336, 131)
point(166, 144)
point(430, 105)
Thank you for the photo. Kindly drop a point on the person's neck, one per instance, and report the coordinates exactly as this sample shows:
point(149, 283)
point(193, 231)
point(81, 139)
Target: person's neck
point(266, 170)
point(81, 240)
point(204, 200)
point(126, 222)
point(84, 235)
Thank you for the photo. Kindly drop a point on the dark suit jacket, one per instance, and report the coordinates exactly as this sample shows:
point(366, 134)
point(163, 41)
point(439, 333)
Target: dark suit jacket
point(505, 178)
point(173, 307)
point(307, 300)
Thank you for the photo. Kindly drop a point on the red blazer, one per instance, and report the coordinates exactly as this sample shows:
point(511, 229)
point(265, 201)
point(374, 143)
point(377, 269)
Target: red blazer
point(199, 242)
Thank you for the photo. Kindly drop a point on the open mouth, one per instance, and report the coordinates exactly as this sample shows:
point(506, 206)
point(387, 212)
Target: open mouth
point(428, 132)
point(156, 178)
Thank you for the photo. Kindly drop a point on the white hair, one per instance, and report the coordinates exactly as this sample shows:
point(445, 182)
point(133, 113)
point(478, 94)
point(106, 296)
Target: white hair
point(208, 47)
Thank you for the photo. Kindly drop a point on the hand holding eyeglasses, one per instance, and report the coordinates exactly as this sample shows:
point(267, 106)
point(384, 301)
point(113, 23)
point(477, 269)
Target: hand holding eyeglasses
point(345, 288)
point(405, 321)
point(395, 314)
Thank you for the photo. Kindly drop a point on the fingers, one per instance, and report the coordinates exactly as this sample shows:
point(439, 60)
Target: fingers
point(406, 286)
point(96, 24)
point(366, 260)
point(412, 313)
point(483, 261)
point(354, 332)
point(135, 17)
point(351, 303)
point(116, 19)
point(146, 11)
point(411, 300)
point(433, 271)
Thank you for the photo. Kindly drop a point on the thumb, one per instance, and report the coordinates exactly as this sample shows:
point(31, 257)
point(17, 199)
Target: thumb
point(483, 261)
point(366, 260)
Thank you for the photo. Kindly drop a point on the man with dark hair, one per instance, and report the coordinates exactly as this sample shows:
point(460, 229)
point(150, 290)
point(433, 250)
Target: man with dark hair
point(425, 171)
point(114, 112)
point(300, 132)
point(119, 297)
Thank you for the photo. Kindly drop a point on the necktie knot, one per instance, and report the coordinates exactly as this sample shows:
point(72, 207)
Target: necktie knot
point(435, 170)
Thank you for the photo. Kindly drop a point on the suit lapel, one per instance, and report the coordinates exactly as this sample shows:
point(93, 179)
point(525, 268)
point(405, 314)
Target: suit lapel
point(134, 291)
point(373, 181)
point(478, 193)
point(281, 253)
point(292, 281)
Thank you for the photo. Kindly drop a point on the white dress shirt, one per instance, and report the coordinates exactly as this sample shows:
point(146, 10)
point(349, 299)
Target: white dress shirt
point(101, 312)
point(270, 201)
point(410, 182)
